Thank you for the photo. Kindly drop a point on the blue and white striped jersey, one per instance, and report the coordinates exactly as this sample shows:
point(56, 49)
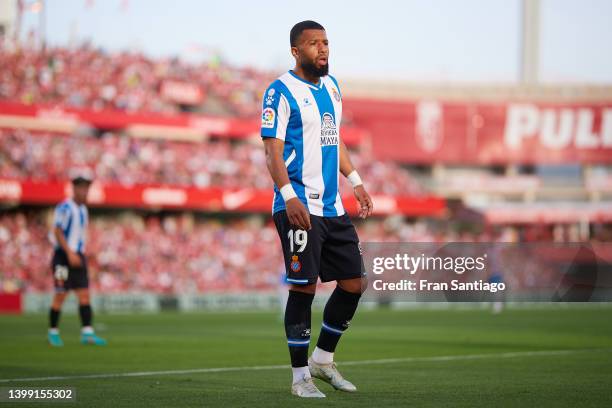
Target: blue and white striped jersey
point(72, 219)
point(307, 117)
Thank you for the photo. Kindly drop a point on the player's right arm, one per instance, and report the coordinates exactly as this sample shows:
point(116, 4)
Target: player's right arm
point(296, 211)
point(274, 121)
point(62, 219)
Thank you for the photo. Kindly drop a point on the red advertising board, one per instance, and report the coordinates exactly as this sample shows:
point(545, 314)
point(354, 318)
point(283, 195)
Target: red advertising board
point(486, 133)
point(206, 199)
point(423, 132)
point(237, 128)
point(10, 303)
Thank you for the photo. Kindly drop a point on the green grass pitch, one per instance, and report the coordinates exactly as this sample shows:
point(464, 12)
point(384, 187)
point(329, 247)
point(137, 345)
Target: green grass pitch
point(170, 341)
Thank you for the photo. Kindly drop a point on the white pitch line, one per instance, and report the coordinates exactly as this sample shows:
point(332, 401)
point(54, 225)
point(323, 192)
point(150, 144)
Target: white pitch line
point(285, 366)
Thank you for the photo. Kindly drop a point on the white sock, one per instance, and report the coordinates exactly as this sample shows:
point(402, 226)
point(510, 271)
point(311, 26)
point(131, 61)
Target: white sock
point(54, 330)
point(299, 373)
point(322, 357)
point(87, 330)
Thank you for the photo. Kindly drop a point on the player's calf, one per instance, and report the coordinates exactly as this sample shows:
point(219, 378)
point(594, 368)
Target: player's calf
point(297, 330)
point(339, 311)
point(53, 336)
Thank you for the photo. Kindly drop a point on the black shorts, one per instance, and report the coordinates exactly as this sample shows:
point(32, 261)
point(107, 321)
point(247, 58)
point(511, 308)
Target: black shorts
point(330, 250)
point(65, 277)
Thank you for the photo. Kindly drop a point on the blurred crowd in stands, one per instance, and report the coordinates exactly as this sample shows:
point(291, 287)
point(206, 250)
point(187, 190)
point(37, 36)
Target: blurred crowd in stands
point(129, 161)
point(133, 253)
point(89, 77)
point(173, 254)
point(130, 251)
point(183, 253)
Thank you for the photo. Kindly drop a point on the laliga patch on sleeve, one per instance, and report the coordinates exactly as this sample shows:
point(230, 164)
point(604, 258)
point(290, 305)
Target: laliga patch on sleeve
point(267, 118)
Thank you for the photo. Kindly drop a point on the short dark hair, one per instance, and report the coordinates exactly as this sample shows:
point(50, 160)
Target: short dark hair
point(297, 30)
point(80, 181)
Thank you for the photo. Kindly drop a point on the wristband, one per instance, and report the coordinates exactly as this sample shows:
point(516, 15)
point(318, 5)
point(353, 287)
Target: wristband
point(354, 179)
point(287, 192)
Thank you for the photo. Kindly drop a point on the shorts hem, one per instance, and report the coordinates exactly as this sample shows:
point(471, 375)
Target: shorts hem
point(339, 278)
point(294, 281)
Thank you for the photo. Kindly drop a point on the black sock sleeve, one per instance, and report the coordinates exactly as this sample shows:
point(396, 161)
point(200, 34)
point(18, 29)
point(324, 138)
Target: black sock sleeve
point(339, 311)
point(86, 315)
point(297, 326)
point(54, 316)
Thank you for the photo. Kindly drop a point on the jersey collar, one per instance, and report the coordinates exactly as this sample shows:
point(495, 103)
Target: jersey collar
point(316, 86)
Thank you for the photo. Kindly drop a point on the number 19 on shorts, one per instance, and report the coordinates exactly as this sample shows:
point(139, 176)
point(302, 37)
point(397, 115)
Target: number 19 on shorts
point(297, 238)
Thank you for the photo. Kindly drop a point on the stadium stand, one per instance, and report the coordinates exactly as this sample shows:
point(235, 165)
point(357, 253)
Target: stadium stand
point(128, 161)
point(93, 78)
point(398, 149)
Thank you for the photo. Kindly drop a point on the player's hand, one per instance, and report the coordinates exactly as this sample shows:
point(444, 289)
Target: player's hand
point(365, 202)
point(298, 214)
point(73, 259)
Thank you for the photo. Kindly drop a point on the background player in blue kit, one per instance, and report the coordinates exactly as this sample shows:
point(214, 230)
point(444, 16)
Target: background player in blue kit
point(69, 265)
point(302, 112)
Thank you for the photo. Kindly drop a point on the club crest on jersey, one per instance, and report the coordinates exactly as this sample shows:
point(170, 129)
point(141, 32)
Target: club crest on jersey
point(336, 94)
point(296, 265)
point(267, 118)
point(270, 97)
point(329, 132)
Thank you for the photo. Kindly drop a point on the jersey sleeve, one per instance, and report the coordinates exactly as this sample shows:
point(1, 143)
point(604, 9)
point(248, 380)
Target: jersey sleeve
point(61, 217)
point(275, 114)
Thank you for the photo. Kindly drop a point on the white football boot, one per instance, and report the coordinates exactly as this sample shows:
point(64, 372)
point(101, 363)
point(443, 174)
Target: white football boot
point(306, 388)
point(330, 374)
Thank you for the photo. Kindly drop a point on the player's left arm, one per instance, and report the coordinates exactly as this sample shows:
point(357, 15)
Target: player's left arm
point(348, 170)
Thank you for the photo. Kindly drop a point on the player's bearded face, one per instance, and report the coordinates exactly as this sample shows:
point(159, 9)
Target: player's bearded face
point(313, 68)
point(314, 53)
point(80, 192)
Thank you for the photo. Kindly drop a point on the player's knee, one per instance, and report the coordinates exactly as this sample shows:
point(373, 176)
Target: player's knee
point(364, 284)
point(310, 289)
point(58, 300)
point(83, 296)
point(353, 285)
